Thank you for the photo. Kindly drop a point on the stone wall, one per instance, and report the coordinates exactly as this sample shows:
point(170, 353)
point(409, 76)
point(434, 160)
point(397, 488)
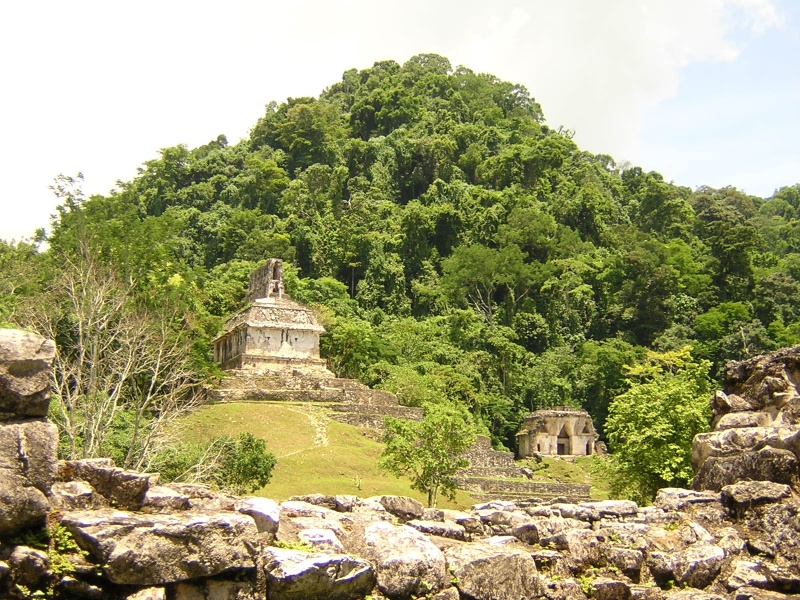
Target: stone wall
point(27, 440)
point(138, 540)
point(756, 424)
point(504, 489)
point(481, 454)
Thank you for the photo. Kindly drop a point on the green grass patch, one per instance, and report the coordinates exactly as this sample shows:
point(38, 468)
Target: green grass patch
point(592, 470)
point(315, 454)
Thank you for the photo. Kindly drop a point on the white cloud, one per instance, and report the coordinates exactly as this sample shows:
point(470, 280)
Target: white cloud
point(101, 86)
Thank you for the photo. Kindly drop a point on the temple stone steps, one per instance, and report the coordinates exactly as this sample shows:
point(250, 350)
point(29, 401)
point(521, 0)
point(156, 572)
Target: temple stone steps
point(352, 402)
point(504, 489)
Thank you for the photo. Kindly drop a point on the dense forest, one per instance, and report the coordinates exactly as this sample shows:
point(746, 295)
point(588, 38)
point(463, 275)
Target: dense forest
point(455, 246)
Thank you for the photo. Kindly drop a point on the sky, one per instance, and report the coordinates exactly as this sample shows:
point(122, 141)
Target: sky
point(706, 92)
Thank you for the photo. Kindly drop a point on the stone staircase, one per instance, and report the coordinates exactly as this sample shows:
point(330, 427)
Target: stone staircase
point(351, 401)
point(485, 488)
point(494, 475)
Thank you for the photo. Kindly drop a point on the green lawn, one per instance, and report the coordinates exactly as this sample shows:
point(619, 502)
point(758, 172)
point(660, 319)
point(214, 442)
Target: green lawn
point(318, 455)
point(315, 454)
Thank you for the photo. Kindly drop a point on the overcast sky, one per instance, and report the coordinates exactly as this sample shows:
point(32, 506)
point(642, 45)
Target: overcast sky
point(704, 91)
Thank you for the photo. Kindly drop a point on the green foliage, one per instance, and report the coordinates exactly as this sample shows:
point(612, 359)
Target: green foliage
point(239, 465)
point(429, 452)
point(650, 426)
point(246, 464)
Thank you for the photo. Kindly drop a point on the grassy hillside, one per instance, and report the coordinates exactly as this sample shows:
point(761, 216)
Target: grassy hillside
point(319, 455)
point(315, 454)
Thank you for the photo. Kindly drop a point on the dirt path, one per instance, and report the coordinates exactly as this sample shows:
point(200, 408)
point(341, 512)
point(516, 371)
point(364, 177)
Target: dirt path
point(318, 419)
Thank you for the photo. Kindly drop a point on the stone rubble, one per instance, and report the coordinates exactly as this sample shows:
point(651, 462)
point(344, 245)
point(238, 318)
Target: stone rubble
point(138, 539)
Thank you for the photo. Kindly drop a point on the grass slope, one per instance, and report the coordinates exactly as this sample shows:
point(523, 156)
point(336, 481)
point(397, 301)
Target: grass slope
point(315, 454)
point(318, 455)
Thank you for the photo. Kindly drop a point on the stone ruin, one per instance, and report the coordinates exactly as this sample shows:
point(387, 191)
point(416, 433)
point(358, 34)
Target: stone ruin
point(494, 475)
point(271, 334)
point(139, 540)
point(270, 352)
point(558, 431)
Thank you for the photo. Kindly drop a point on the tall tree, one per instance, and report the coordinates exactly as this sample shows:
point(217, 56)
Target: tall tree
point(650, 426)
point(430, 452)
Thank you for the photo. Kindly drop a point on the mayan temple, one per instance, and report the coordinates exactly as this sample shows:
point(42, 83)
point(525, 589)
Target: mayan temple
point(271, 334)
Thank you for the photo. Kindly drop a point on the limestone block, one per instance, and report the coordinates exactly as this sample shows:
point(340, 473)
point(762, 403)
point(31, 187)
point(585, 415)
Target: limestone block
point(744, 419)
point(299, 508)
point(749, 493)
point(122, 488)
point(316, 499)
point(70, 587)
point(446, 529)
point(158, 498)
point(21, 505)
point(143, 549)
point(627, 560)
point(699, 565)
point(609, 589)
point(730, 442)
point(613, 508)
point(492, 572)
point(406, 562)
point(202, 497)
point(321, 540)
point(74, 495)
point(25, 362)
point(265, 512)
point(577, 511)
point(767, 464)
point(290, 529)
point(402, 507)
point(27, 471)
point(296, 575)
point(28, 448)
point(583, 546)
point(748, 573)
point(29, 567)
point(468, 521)
point(730, 541)
point(537, 529)
point(678, 498)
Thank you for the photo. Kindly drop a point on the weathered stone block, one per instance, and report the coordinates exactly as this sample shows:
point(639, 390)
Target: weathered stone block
point(295, 575)
point(25, 362)
point(141, 549)
point(492, 572)
point(27, 471)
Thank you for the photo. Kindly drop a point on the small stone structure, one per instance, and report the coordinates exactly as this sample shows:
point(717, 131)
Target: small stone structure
point(271, 334)
point(558, 431)
point(270, 349)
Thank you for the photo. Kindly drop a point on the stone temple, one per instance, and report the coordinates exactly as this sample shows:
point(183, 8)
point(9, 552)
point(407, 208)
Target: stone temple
point(558, 431)
point(271, 334)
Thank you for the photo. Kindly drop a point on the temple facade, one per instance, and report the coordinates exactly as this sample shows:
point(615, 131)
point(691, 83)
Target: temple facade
point(558, 431)
point(271, 334)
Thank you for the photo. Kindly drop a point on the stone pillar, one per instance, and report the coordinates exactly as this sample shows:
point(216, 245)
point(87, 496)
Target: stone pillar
point(27, 440)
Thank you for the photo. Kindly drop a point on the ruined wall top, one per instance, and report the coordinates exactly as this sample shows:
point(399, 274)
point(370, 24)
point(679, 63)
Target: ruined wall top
point(266, 281)
point(538, 420)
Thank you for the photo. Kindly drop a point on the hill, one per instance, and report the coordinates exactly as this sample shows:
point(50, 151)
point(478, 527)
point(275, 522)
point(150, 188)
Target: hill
point(456, 247)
